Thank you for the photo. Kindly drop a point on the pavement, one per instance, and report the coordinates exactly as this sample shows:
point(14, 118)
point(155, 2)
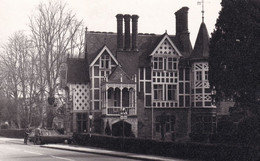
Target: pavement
point(99, 151)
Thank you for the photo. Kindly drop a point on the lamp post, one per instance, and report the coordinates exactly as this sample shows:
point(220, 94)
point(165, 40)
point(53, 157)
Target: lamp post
point(213, 96)
point(123, 116)
point(213, 104)
point(90, 123)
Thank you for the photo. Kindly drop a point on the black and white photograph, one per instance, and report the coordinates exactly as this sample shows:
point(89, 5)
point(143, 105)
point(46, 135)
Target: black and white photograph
point(129, 80)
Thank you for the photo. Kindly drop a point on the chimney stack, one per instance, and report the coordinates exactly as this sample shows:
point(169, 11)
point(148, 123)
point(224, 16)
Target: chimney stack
point(182, 20)
point(127, 32)
point(120, 38)
point(134, 32)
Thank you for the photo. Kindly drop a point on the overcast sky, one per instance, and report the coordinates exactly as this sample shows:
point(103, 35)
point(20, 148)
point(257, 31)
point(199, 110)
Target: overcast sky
point(155, 16)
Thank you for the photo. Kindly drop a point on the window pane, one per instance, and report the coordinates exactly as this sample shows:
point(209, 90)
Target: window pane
point(96, 105)
point(110, 93)
point(107, 64)
point(199, 75)
point(96, 82)
point(187, 88)
point(171, 92)
point(174, 65)
point(170, 63)
point(96, 71)
point(79, 126)
point(181, 88)
point(84, 126)
point(148, 74)
point(158, 92)
point(148, 87)
point(181, 101)
point(96, 94)
point(165, 68)
point(160, 63)
point(198, 103)
point(199, 90)
point(141, 73)
point(84, 116)
point(187, 74)
point(78, 116)
point(187, 101)
point(141, 87)
point(181, 74)
point(206, 75)
point(148, 100)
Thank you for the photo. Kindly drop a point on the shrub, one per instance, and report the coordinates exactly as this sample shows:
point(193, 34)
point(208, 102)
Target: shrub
point(217, 152)
point(248, 130)
point(12, 133)
point(4, 126)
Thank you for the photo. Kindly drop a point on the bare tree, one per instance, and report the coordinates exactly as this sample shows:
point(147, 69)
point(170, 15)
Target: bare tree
point(17, 76)
point(55, 33)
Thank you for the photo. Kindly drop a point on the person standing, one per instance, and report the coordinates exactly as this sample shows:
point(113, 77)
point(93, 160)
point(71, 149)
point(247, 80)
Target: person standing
point(37, 134)
point(26, 134)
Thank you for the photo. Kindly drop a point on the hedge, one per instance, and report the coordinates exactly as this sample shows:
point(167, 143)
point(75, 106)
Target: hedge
point(12, 133)
point(216, 152)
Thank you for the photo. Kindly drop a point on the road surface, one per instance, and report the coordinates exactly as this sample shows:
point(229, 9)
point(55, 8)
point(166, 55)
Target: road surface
point(12, 150)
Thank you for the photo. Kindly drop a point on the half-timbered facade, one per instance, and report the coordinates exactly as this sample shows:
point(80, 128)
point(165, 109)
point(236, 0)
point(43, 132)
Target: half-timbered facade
point(143, 85)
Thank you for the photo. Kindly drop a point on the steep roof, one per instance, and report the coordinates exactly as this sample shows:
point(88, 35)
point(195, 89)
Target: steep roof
point(106, 50)
point(144, 60)
point(201, 48)
point(118, 74)
point(95, 41)
point(129, 60)
point(77, 71)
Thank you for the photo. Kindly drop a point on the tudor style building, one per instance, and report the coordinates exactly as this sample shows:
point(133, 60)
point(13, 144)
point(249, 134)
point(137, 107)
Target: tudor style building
point(158, 82)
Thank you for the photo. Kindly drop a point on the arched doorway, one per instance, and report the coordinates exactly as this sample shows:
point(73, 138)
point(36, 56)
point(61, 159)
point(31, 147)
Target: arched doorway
point(117, 129)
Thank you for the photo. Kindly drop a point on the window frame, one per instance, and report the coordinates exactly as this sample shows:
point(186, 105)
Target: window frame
point(158, 91)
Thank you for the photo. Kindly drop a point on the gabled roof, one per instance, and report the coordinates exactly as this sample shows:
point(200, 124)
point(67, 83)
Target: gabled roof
point(77, 71)
point(105, 48)
point(117, 75)
point(201, 48)
point(166, 37)
point(129, 60)
point(95, 41)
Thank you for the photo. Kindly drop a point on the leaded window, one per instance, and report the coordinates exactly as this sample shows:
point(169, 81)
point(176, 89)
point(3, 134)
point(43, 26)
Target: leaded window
point(105, 61)
point(158, 63)
point(172, 63)
point(81, 122)
point(171, 92)
point(199, 75)
point(158, 92)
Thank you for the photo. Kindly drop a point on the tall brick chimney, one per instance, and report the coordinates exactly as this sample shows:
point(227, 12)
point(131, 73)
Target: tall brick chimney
point(127, 32)
point(134, 31)
point(182, 20)
point(182, 32)
point(120, 38)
